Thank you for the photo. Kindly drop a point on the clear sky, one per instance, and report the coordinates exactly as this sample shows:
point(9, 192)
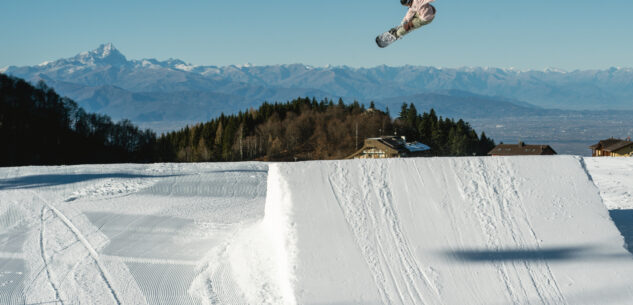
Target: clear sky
point(536, 34)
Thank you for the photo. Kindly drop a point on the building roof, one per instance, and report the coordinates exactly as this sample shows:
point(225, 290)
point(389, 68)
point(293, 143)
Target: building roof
point(521, 149)
point(401, 145)
point(396, 144)
point(392, 142)
point(417, 146)
point(617, 146)
point(605, 143)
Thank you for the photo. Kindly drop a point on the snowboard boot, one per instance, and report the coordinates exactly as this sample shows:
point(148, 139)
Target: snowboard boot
point(394, 32)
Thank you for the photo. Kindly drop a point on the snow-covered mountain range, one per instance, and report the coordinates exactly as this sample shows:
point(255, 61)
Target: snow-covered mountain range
point(104, 80)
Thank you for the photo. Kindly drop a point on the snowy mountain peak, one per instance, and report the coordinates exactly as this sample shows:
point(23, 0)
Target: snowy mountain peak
point(106, 50)
point(105, 54)
point(4, 69)
point(554, 70)
point(246, 65)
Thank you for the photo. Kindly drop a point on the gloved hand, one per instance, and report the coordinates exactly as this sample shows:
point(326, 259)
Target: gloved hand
point(406, 26)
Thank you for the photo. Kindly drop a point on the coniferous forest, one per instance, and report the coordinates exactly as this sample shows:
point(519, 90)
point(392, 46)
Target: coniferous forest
point(37, 126)
point(306, 129)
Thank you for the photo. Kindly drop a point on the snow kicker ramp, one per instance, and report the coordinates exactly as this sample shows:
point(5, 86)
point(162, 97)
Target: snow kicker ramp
point(527, 230)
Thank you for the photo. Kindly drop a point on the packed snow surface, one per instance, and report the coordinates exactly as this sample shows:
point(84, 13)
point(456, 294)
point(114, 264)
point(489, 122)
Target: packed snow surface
point(526, 230)
point(125, 234)
point(614, 178)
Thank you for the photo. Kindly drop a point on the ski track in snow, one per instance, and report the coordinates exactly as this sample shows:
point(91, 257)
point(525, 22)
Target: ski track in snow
point(44, 257)
point(411, 273)
point(105, 275)
point(356, 215)
point(486, 191)
point(397, 284)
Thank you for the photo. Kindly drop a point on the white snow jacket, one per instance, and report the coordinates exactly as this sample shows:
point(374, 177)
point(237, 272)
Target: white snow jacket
point(424, 10)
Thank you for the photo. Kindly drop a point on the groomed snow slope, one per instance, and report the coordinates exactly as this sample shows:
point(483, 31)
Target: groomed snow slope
point(529, 230)
point(614, 178)
point(126, 233)
point(402, 231)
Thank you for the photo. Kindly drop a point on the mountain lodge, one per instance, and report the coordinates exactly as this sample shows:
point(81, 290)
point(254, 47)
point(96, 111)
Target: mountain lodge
point(521, 149)
point(390, 147)
point(612, 148)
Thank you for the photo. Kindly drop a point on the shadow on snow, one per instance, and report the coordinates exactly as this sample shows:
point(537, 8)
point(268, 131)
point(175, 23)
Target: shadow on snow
point(542, 254)
point(36, 181)
point(623, 220)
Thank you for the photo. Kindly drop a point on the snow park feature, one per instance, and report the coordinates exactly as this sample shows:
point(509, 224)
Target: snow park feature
point(481, 230)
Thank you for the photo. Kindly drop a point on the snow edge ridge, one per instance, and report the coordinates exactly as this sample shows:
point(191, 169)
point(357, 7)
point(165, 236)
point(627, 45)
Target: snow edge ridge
point(280, 227)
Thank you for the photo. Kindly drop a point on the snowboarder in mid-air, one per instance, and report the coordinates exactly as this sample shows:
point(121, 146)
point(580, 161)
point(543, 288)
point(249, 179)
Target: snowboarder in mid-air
point(420, 13)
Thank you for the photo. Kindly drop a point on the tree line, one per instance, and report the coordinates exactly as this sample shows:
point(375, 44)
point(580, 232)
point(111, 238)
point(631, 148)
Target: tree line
point(38, 127)
point(446, 137)
point(302, 129)
point(307, 129)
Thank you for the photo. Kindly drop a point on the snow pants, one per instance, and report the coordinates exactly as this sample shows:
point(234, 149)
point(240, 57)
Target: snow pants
point(416, 23)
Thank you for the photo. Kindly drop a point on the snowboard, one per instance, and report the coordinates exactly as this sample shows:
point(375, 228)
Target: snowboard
point(386, 38)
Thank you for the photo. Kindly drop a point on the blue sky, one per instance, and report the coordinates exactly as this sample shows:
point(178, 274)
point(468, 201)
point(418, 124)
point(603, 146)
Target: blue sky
point(536, 34)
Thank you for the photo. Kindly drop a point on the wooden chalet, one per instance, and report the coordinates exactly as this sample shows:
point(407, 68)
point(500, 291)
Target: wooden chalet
point(390, 147)
point(521, 149)
point(612, 148)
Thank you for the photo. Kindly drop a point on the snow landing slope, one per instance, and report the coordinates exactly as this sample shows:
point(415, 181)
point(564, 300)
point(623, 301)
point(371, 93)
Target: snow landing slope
point(446, 231)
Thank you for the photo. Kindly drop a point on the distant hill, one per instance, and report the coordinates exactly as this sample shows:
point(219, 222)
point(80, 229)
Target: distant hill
point(467, 105)
point(146, 90)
